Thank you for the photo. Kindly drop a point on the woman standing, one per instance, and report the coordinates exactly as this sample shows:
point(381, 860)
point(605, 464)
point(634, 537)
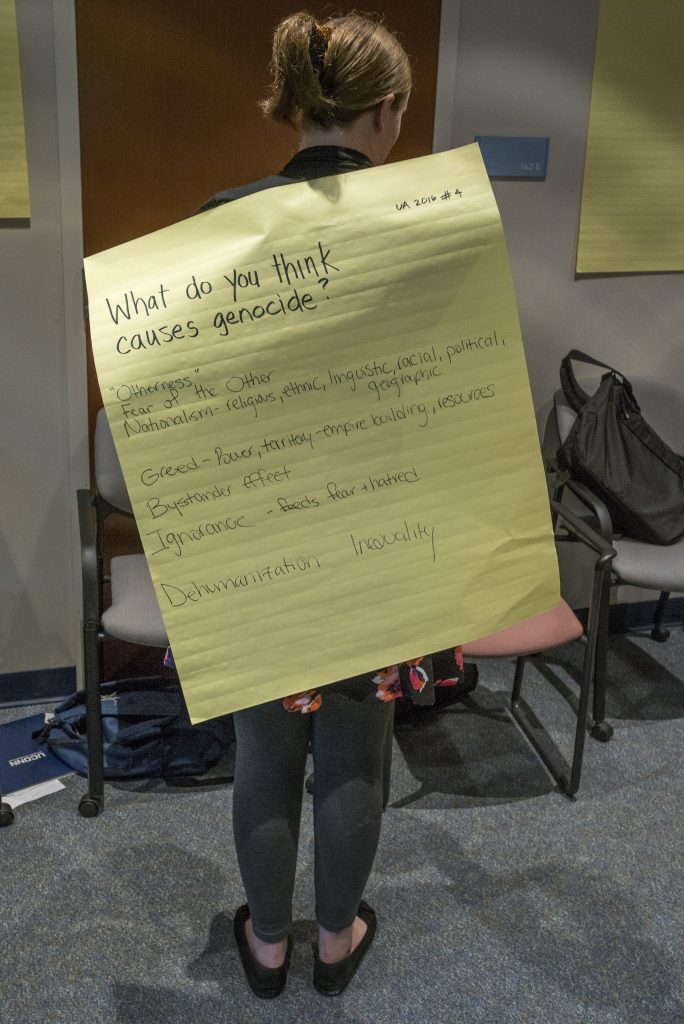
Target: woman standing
point(344, 86)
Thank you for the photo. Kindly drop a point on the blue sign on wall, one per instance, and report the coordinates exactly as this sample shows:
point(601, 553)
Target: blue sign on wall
point(514, 156)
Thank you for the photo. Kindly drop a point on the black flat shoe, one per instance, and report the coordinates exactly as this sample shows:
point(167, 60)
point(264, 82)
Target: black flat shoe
point(265, 982)
point(331, 979)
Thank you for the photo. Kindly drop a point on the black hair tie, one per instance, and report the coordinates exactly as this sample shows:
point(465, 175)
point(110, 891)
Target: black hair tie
point(320, 36)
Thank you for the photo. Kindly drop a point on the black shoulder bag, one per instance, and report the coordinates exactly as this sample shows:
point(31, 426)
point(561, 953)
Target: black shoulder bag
point(613, 450)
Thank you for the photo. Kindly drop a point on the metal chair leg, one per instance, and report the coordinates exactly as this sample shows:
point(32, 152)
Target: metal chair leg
point(6, 812)
point(92, 803)
point(387, 759)
point(657, 633)
point(601, 730)
point(582, 722)
point(566, 776)
point(518, 679)
point(535, 732)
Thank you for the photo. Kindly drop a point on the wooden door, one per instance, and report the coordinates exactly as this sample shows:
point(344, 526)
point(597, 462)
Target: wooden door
point(168, 93)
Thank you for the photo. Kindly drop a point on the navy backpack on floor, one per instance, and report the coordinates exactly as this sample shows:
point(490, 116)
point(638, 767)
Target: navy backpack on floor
point(146, 732)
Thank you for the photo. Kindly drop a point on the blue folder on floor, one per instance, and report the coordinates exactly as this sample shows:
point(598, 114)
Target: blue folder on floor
point(24, 761)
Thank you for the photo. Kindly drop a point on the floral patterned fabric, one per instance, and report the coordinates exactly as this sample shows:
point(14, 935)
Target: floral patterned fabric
point(409, 679)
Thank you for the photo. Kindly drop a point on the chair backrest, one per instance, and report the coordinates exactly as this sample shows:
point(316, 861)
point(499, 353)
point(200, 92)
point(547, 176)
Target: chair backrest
point(662, 406)
point(109, 478)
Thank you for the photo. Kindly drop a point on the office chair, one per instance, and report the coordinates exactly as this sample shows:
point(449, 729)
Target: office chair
point(132, 613)
point(636, 563)
point(541, 634)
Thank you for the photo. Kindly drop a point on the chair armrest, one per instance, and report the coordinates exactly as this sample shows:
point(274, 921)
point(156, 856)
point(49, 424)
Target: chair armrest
point(87, 525)
point(595, 506)
point(583, 531)
point(583, 493)
point(600, 586)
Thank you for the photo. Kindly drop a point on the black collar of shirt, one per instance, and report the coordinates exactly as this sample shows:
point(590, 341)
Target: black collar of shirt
point(319, 161)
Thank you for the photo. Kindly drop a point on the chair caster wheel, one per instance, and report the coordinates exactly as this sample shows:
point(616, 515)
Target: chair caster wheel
point(6, 815)
point(660, 635)
point(601, 731)
point(309, 783)
point(89, 807)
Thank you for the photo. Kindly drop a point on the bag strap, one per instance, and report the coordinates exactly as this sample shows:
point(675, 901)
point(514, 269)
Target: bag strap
point(143, 704)
point(582, 357)
point(575, 395)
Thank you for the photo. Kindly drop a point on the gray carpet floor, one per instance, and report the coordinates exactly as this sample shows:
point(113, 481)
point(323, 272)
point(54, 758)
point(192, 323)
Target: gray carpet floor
point(499, 900)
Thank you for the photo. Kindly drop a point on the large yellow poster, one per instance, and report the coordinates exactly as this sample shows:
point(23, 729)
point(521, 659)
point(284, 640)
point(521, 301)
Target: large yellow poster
point(320, 401)
point(632, 216)
point(14, 194)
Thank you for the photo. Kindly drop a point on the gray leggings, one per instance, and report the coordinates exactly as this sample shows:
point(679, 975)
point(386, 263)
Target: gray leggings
point(347, 736)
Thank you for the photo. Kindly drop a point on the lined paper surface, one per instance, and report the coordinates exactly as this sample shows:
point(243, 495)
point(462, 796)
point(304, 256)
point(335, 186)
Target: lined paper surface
point(320, 401)
point(632, 216)
point(14, 190)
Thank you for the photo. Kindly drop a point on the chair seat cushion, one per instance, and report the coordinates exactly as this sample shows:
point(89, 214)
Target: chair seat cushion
point(134, 613)
point(548, 629)
point(658, 567)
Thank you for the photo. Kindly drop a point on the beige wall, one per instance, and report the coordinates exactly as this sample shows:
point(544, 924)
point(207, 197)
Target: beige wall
point(524, 67)
point(40, 425)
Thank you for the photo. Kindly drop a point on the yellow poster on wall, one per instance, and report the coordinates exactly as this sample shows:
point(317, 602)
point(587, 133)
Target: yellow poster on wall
point(632, 216)
point(14, 192)
point(320, 401)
